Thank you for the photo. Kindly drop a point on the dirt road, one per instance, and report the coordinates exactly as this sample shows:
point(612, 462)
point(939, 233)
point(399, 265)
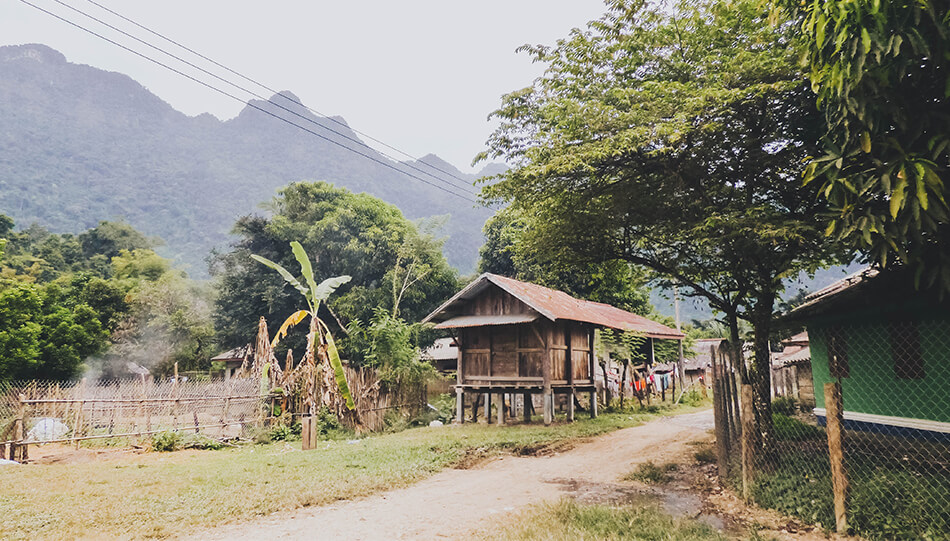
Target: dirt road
point(453, 502)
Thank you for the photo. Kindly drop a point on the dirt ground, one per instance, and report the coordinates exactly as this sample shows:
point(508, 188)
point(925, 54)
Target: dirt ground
point(459, 503)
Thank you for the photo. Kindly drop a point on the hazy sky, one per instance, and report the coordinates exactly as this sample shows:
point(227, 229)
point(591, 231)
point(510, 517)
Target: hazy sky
point(421, 75)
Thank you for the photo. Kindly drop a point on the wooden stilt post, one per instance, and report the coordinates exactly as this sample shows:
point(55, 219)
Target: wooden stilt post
point(834, 412)
point(500, 414)
point(548, 406)
point(570, 407)
point(527, 407)
point(748, 441)
point(459, 405)
point(488, 408)
point(593, 404)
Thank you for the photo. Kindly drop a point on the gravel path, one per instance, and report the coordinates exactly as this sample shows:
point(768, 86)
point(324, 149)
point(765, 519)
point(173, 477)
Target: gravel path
point(453, 502)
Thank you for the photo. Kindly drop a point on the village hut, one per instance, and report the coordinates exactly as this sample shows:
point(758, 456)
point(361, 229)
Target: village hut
point(232, 360)
point(523, 339)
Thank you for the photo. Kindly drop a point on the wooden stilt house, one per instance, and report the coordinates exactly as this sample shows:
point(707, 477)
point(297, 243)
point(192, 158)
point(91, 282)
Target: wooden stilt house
point(522, 339)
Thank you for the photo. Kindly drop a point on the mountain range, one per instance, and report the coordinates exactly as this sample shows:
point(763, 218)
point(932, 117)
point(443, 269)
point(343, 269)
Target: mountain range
point(79, 144)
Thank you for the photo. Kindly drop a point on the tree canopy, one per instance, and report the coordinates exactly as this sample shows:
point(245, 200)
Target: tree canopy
point(672, 137)
point(345, 233)
point(881, 71)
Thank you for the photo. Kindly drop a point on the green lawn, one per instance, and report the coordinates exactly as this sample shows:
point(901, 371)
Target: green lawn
point(161, 494)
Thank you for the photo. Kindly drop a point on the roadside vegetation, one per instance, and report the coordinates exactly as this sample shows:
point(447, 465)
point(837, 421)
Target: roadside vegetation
point(163, 494)
point(569, 520)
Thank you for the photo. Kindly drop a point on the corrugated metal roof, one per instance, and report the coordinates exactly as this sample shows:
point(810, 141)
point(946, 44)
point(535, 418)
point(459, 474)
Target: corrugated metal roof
point(554, 305)
point(478, 321)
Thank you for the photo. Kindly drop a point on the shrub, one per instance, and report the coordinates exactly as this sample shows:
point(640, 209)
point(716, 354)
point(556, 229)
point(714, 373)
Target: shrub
point(706, 455)
point(167, 441)
point(791, 429)
point(648, 472)
point(445, 407)
point(200, 441)
point(785, 405)
point(691, 398)
point(281, 433)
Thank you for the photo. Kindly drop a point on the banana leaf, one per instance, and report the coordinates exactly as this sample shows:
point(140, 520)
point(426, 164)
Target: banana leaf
point(283, 272)
point(338, 373)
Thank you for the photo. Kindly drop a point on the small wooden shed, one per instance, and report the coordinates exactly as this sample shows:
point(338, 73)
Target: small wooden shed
point(524, 339)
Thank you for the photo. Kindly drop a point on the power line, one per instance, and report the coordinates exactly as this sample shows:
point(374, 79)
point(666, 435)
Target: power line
point(271, 90)
point(465, 188)
point(225, 93)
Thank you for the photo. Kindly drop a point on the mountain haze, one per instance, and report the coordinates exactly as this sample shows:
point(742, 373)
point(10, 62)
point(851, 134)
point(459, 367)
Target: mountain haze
point(80, 145)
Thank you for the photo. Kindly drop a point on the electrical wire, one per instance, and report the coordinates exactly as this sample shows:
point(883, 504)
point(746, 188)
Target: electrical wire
point(271, 90)
point(249, 104)
point(465, 188)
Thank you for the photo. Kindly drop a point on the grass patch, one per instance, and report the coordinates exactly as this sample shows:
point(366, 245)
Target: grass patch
point(165, 494)
point(791, 429)
point(706, 455)
point(650, 473)
point(568, 521)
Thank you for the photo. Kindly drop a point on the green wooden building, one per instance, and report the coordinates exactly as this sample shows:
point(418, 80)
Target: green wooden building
point(889, 344)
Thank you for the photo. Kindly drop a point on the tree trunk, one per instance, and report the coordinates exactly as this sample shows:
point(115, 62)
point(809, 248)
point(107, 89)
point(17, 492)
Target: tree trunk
point(760, 370)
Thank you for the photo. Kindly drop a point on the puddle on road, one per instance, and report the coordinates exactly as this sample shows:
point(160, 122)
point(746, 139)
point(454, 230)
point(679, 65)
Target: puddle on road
point(677, 503)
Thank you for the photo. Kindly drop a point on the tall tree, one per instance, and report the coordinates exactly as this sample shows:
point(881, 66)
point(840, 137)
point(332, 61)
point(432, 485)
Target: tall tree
point(614, 282)
point(345, 233)
point(672, 137)
point(881, 71)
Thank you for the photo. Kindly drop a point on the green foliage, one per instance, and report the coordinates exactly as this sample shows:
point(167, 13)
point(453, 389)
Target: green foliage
point(507, 253)
point(200, 441)
point(641, 143)
point(881, 71)
point(445, 407)
point(651, 473)
point(170, 440)
point(393, 347)
point(43, 337)
point(281, 432)
point(784, 405)
point(318, 333)
point(791, 429)
point(67, 303)
point(345, 233)
point(569, 520)
point(691, 397)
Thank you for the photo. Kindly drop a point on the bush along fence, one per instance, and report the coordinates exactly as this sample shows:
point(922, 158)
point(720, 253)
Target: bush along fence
point(871, 454)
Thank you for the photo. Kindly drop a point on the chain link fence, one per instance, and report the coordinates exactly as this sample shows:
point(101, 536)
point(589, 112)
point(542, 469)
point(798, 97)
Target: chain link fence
point(894, 451)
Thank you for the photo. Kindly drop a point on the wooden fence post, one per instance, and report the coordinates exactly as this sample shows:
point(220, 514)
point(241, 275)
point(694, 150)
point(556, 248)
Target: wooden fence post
point(306, 422)
point(834, 413)
point(719, 408)
point(748, 441)
point(77, 420)
point(19, 450)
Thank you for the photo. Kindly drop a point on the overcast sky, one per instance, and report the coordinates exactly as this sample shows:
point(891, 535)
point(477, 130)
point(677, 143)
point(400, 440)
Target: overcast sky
point(421, 75)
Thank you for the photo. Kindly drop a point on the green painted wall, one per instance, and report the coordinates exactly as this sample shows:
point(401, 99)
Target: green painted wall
point(872, 385)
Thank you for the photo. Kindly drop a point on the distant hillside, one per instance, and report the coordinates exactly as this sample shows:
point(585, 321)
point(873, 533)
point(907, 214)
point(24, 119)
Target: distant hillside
point(697, 307)
point(80, 145)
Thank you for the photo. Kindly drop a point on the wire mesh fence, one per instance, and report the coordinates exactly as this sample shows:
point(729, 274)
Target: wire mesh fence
point(888, 380)
point(57, 412)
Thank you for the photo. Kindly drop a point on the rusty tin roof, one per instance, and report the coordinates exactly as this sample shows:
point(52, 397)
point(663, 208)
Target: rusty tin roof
point(553, 305)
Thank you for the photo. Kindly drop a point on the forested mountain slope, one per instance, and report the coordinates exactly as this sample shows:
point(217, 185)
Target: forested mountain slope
point(80, 144)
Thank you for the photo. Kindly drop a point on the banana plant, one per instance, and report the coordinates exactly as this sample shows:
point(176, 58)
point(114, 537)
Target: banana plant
point(320, 342)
